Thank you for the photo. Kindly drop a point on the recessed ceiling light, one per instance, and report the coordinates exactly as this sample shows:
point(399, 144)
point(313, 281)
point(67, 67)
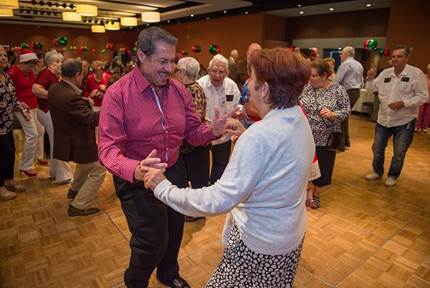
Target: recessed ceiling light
point(246, 12)
point(331, 9)
point(302, 12)
point(225, 11)
point(192, 15)
point(368, 5)
point(207, 18)
point(299, 5)
point(168, 21)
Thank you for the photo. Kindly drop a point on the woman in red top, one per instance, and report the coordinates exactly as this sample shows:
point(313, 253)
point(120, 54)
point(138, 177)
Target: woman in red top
point(97, 84)
point(60, 170)
point(23, 79)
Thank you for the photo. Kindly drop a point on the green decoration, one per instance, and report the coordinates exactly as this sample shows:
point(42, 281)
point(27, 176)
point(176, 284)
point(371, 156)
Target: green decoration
point(62, 41)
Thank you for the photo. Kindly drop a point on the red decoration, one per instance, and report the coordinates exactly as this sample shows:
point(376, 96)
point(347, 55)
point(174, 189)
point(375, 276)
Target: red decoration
point(386, 52)
point(55, 42)
point(93, 50)
point(109, 46)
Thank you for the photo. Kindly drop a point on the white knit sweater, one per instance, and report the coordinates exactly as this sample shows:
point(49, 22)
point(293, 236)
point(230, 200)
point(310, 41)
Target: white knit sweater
point(263, 186)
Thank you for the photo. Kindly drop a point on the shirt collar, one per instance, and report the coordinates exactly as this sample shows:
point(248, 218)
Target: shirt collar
point(141, 82)
point(74, 87)
point(403, 73)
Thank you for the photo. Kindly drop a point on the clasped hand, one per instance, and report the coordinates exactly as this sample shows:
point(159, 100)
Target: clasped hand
point(150, 170)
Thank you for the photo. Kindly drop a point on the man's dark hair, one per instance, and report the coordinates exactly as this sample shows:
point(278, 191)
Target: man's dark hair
point(148, 36)
point(71, 67)
point(405, 48)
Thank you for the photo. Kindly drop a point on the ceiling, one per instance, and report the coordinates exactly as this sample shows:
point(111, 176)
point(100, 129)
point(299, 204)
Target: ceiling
point(49, 12)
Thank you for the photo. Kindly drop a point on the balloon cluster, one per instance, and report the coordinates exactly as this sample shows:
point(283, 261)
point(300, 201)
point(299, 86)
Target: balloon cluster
point(24, 45)
point(72, 48)
point(60, 41)
point(109, 46)
point(196, 48)
point(83, 49)
point(214, 49)
point(184, 52)
point(37, 46)
point(372, 44)
point(122, 51)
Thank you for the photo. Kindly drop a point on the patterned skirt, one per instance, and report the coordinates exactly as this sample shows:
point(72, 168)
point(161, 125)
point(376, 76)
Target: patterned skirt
point(242, 267)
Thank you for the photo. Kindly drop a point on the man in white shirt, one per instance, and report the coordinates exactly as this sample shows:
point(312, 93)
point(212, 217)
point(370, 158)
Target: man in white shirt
point(401, 90)
point(349, 75)
point(222, 94)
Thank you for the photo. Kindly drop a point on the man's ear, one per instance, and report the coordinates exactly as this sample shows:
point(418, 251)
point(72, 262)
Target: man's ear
point(140, 55)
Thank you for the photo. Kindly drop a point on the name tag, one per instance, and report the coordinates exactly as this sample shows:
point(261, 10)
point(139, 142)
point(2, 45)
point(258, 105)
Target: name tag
point(404, 79)
point(387, 80)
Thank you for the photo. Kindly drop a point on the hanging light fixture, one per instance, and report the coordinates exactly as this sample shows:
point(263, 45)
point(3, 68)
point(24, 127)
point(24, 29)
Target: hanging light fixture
point(150, 17)
point(98, 29)
point(112, 26)
point(11, 4)
point(86, 10)
point(72, 16)
point(129, 21)
point(6, 12)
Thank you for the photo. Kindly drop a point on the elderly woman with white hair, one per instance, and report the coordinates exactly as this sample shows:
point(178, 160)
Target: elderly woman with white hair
point(60, 171)
point(222, 94)
point(196, 159)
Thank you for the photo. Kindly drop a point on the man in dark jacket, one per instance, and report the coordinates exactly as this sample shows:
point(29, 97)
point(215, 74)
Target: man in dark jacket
point(74, 137)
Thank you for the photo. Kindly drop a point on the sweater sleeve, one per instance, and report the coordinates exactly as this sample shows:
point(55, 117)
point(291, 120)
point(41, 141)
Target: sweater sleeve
point(236, 184)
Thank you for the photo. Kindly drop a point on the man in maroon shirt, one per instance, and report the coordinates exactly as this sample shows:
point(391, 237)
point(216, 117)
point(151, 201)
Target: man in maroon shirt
point(145, 116)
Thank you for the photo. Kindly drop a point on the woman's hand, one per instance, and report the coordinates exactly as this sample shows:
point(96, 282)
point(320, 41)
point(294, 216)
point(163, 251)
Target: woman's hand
point(26, 113)
point(234, 128)
point(327, 114)
point(153, 177)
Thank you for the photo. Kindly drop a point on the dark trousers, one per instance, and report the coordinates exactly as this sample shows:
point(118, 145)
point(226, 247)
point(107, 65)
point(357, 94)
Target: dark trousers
point(156, 229)
point(326, 159)
point(7, 161)
point(402, 139)
point(353, 95)
point(220, 156)
point(197, 166)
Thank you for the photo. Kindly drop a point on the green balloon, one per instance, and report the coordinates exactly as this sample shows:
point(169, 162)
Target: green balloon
point(62, 41)
point(103, 51)
point(381, 51)
point(24, 46)
point(373, 43)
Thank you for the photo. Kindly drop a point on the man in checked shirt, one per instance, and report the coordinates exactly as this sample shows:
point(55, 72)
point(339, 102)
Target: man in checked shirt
point(401, 90)
point(144, 118)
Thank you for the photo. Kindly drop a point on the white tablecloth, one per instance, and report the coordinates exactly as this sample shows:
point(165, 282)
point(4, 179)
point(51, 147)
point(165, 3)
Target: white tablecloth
point(364, 97)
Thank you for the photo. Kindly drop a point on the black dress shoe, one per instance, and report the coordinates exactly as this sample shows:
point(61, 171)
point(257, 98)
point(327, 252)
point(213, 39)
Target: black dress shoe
point(177, 282)
point(71, 194)
point(82, 212)
point(192, 219)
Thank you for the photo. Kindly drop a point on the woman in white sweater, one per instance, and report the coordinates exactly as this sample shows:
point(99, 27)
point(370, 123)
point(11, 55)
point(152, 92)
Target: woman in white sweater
point(264, 185)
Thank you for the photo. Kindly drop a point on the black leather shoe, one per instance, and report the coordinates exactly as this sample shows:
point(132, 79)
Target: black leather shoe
point(71, 194)
point(177, 282)
point(192, 219)
point(82, 212)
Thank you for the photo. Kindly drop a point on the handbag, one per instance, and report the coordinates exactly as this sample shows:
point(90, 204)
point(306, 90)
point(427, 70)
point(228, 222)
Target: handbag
point(335, 142)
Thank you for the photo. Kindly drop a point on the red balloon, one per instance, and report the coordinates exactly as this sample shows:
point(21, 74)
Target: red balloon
point(93, 50)
point(366, 44)
point(386, 52)
point(109, 46)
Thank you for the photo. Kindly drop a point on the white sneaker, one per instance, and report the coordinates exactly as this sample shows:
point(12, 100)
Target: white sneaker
point(373, 176)
point(391, 181)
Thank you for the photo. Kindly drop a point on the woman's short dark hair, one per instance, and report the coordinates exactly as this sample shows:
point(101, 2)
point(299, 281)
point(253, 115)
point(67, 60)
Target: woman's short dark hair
point(285, 72)
point(149, 36)
point(322, 67)
point(71, 67)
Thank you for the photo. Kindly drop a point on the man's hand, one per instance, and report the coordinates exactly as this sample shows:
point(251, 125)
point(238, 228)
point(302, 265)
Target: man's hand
point(327, 114)
point(91, 101)
point(397, 105)
point(151, 161)
point(234, 128)
point(218, 123)
point(153, 177)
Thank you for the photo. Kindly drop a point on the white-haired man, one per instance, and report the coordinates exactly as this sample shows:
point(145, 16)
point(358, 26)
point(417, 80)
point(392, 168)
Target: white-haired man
point(222, 94)
point(349, 75)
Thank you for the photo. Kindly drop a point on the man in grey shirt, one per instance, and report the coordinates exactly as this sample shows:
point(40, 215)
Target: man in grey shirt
point(349, 75)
